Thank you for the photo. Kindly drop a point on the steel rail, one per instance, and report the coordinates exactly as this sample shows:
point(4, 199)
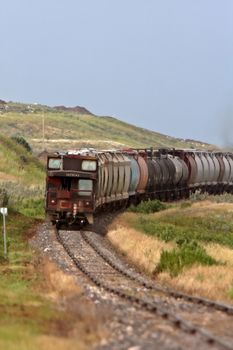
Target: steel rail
point(154, 307)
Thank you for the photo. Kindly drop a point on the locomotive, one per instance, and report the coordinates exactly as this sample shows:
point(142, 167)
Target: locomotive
point(81, 183)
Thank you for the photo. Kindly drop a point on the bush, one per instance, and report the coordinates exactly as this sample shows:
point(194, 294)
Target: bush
point(187, 254)
point(4, 197)
point(198, 195)
point(150, 206)
point(21, 141)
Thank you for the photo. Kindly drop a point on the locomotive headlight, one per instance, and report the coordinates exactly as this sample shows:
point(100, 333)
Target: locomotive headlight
point(75, 209)
point(53, 201)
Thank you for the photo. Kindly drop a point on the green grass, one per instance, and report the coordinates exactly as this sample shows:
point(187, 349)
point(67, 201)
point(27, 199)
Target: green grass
point(182, 225)
point(21, 165)
point(22, 179)
point(32, 207)
point(190, 230)
point(150, 206)
point(186, 255)
point(27, 315)
point(23, 199)
point(17, 224)
point(24, 312)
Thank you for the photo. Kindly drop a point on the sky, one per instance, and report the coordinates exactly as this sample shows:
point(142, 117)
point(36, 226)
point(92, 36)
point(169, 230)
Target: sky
point(164, 65)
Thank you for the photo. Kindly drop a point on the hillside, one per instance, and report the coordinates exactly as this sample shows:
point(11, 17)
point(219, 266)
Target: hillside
point(77, 127)
point(18, 165)
point(21, 177)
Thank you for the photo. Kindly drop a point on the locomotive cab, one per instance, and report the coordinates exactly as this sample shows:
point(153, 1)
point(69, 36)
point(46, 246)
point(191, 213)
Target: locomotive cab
point(70, 192)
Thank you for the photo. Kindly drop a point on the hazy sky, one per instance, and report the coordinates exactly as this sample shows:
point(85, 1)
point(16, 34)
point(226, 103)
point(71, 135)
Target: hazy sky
point(165, 65)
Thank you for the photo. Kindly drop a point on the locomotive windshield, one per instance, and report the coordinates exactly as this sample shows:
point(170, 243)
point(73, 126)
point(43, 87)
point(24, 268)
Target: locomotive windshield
point(54, 163)
point(89, 165)
point(85, 187)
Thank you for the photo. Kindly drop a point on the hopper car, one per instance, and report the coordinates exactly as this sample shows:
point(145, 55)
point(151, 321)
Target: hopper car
point(85, 182)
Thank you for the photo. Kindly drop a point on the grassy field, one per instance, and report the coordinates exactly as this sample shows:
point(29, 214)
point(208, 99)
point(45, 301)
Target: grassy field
point(188, 245)
point(66, 129)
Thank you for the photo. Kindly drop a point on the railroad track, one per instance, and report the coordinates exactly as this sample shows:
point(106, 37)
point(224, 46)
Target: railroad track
point(150, 285)
point(106, 273)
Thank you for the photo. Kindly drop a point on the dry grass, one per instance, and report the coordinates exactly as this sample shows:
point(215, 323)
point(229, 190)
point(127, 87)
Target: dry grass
point(215, 282)
point(206, 206)
point(59, 343)
point(58, 283)
point(85, 324)
point(7, 177)
point(201, 208)
point(142, 250)
point(223, 254)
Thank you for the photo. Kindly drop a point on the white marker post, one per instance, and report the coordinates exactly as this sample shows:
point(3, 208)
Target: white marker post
point(4, 213)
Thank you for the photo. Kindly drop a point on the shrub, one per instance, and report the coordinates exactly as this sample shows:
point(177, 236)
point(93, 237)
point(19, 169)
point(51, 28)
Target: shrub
point(150, 206)
point(21, 141)
point(198, 195)
point(4, 197)
point(187, 254)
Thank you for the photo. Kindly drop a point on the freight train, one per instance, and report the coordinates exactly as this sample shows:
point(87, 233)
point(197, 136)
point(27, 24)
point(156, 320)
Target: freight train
point(85, 182)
